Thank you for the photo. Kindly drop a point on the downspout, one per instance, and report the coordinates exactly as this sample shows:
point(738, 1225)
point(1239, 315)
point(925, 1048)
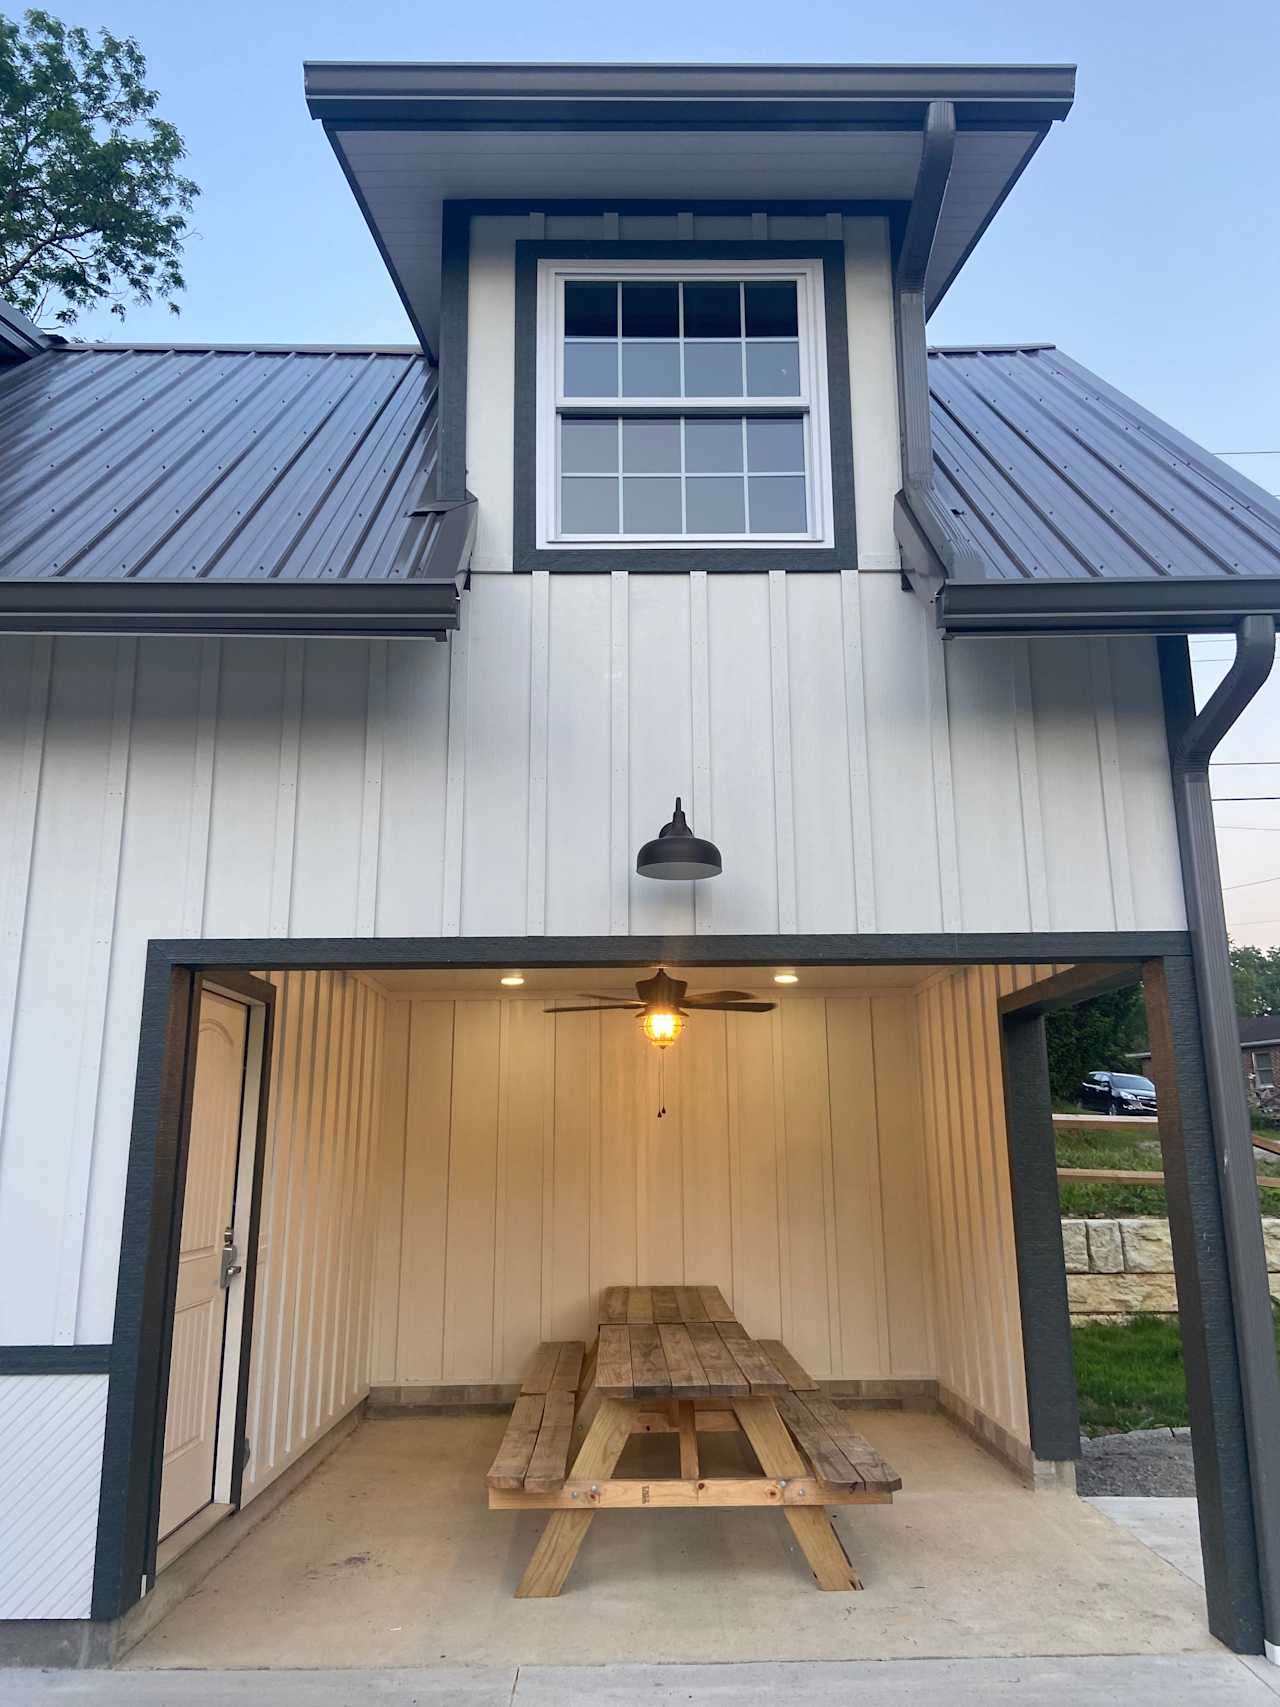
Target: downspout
point(933, 548)
point(1241, 1212)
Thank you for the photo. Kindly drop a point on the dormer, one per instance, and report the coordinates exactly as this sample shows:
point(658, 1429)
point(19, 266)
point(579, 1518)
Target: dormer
point(678, 311)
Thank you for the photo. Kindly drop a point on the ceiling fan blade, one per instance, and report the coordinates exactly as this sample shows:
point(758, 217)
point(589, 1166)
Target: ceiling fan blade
point(595, 1008)
point(736, 1007)
point(615, 998)
point(700, 998)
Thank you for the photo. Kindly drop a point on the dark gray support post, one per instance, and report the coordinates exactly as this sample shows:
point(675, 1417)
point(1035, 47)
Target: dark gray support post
point(1052, 1407)
point(1205, 1306)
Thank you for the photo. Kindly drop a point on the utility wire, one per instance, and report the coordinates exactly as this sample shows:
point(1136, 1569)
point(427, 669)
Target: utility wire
point(1255, 883)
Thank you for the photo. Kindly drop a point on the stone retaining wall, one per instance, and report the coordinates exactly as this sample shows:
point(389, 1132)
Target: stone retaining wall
point(1121, 1268)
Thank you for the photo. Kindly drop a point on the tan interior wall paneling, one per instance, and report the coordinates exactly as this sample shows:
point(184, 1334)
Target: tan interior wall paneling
point(969, 1219)
point(310, 1360)
point(524, 1168)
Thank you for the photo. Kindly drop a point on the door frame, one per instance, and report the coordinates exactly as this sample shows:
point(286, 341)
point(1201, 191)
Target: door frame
point(171, 1181)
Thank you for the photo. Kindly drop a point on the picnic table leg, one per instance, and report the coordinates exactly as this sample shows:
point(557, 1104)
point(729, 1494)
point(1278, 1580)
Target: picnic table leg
point(812, 1528)
point(566, 1530)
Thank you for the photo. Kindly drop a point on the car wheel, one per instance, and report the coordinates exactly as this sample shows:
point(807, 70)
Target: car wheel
point(1113, 1107)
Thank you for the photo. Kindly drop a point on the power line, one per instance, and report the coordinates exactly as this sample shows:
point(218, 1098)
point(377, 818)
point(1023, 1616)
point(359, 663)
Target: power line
point(1234, 764)
point(1255, 883)
point(1252, 828)
point(1244, 453)
point(1222, 799)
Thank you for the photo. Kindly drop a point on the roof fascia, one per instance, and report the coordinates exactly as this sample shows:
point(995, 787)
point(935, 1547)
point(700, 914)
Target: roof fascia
point(1172, 606)
point(20, 338)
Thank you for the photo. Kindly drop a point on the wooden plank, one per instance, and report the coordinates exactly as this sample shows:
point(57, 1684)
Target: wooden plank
point(1125, 1176)
point(812, 1529)
point(541, 1367)
point(509, 1467)
point(549, 1462)
point(568, 1366)
point(692, 1309)
point(665, 1305)
point(870, 1466)
point(650, 1377)
point(817, 1445)
point(800, 1379)
point(688, 1378)
point(566, 1530)
point(687, 1424)
point(713, 1303)
point(761, 1372)
point(613, 1363)
point(672, 1492)
point(613, 1304)
point(724, 1378)
point(706, 1422)
point(640, 1304)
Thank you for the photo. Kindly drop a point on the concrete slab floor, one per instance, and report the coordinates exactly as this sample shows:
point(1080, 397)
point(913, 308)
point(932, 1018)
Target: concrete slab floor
point(1153, 1680)
point(389, 1556)
point(1170, 1527)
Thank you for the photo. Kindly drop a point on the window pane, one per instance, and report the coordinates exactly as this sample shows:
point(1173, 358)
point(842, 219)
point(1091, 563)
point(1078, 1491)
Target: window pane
point(773, 370)
point(771, 310)
point(591, 370)
point(713, 447)
point(712, 311)
point(775, 447)
point(590, 310)
point(651, 447)
point(714, 504)
point(588, 505)
point(777, 505)
point(651, 311)
point(713, 370)
point(651, 505)
point(589, 447)
point(651, 370)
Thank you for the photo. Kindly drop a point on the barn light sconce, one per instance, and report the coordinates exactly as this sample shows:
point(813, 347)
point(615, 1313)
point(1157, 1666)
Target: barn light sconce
point(677, 853)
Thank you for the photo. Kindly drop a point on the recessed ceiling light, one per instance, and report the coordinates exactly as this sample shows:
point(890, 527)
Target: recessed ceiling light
point(512, 980)
point(785, 978)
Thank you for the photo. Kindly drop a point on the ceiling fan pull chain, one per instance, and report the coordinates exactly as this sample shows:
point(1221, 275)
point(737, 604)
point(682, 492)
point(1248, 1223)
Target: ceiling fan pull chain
point(662, 1092)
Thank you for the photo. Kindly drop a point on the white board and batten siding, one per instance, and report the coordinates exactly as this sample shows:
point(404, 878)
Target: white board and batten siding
point(523, 1168)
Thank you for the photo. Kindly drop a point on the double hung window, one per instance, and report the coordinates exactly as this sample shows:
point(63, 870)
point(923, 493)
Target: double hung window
point(682, 404)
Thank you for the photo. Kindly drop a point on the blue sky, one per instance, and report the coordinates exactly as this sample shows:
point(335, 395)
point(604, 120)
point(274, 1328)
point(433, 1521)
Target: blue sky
point(1144, 238)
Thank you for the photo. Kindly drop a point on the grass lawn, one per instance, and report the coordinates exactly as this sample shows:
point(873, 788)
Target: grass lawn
point(1129, 1374)
point(1097, 1147)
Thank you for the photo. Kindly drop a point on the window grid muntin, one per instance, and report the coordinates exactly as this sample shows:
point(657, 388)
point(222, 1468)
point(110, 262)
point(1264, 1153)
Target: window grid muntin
point(808, 404)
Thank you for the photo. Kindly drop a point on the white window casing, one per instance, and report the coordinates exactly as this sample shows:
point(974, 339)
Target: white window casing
point(809, 405)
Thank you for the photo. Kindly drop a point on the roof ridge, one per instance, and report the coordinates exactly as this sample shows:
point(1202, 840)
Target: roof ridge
point(201, 346)
point(989, 349)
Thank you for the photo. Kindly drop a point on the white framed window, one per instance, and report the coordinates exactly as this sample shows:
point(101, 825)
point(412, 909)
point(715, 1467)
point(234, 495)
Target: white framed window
point(1263, 1072)
point(682, 404)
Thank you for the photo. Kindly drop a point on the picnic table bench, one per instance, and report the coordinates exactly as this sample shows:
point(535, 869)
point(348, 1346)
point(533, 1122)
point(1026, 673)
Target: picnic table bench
point(674, 1359)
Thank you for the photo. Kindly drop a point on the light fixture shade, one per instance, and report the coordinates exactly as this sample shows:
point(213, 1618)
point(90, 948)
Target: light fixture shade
point(678, 853)
point(662, 1027)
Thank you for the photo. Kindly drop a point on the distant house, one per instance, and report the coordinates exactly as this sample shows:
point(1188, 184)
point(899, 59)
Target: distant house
point(1259, 1050)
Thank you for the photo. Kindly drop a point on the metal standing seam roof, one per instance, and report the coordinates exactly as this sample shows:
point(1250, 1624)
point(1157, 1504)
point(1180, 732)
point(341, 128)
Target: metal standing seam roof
point(1054, 475)
point(212, 467)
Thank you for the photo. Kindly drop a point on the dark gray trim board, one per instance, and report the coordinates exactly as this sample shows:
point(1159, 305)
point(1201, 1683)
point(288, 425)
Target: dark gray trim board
point(455, 285)
point(54, 1359)
point(1174, 605)
point(843, 554)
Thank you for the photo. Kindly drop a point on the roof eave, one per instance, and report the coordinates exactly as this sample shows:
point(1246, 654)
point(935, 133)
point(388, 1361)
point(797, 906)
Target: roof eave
point(1172, 606)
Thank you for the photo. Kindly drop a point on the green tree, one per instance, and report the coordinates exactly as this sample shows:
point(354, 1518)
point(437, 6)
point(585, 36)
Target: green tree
point(1256, 975)
point(92, 204)
point(1095, 1036)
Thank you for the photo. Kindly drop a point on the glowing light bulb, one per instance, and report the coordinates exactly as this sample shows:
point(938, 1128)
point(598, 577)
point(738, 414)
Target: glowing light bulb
point(785, 978)
point(662, 1027)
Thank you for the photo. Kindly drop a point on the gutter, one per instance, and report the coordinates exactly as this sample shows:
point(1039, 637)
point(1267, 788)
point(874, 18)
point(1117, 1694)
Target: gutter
point(1170, 605)
point(1192, 748)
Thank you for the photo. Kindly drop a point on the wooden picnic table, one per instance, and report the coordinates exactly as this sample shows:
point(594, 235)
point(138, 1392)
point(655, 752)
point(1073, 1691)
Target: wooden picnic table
point(675, 1360)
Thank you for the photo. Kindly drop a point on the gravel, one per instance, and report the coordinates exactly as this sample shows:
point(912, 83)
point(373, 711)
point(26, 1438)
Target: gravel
point(1154, 1461)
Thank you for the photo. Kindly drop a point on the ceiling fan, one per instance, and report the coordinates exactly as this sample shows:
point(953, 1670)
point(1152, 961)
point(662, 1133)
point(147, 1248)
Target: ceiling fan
point(664, 1005)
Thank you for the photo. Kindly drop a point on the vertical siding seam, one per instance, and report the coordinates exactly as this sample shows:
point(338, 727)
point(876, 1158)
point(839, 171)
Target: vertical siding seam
point(780, 1174)
point(283, 852)
point(455, 783)
point(619, 744)
point(375, 731)
point(196, 864)
point(21, 855)
point(879, 1255)
point(93, 1021)
point(1112, 778)
point(700, 718)
point(546, 1277)
point(498, 1322)
point(448, 1193)
point(539, 695)
point(783, 798)
point(733, 1117)
point(855, 711)
point(1024, 734)
point(835, 1327)
point(944, 805)
point(992, 1066)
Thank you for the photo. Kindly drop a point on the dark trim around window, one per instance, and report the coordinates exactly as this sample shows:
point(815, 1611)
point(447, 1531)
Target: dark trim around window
point(843, 554)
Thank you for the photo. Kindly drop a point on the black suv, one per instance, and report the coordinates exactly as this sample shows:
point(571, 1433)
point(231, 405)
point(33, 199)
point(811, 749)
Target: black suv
point(1119, 1093)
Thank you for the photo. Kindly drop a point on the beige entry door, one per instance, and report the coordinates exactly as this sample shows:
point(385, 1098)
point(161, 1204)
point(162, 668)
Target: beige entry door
point(205, 1261)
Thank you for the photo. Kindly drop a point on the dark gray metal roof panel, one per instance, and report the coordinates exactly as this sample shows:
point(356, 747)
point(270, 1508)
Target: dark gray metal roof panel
point(205, 464)
point(1055, 476)
point(19, 339)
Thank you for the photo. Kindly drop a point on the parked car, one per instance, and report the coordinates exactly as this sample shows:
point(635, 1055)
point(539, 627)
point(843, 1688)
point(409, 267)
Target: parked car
point(1118, 1093)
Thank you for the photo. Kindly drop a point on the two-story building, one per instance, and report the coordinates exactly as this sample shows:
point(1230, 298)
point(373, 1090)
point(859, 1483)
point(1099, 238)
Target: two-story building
point(340, 690)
